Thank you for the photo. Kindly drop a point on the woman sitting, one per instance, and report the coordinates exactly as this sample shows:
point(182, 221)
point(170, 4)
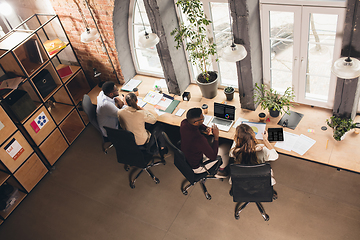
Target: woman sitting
point(133, 118)
point(247, 151)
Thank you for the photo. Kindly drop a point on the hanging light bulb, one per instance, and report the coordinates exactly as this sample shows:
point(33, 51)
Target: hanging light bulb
point(146, 40)
point(89, 35)
point(348, 67)
point(234, 53)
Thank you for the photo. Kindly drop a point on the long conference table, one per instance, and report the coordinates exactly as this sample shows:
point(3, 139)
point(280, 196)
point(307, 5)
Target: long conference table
point(343, 154)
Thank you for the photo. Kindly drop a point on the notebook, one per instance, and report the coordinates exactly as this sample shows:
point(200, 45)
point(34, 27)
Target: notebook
point(224, 116)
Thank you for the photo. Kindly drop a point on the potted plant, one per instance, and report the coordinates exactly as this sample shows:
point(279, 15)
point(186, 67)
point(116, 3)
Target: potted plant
point(197, 43)
point(274, 101)
point(229, 93)
point(341, 126)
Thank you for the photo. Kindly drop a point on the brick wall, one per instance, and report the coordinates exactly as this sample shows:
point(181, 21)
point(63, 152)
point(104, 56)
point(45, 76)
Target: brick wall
point(91, 55)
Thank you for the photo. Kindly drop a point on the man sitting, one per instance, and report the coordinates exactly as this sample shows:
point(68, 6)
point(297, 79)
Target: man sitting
point(195, 145)
point(108, 105)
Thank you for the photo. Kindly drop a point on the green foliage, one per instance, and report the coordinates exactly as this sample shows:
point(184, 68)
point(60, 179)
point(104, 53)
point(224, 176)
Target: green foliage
point(229, 89)
point(272, 100)
point(340, 126)
point(199, 46)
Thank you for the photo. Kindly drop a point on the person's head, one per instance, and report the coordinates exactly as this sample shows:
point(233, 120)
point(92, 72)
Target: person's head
point(110, 89)
point(195, 117)
point(245, 145)
point(131, 100)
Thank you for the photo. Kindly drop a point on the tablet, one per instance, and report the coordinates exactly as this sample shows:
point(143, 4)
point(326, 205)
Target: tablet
point(275, 134)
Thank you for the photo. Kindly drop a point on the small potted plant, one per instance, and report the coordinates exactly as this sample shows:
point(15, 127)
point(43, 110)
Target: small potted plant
point(341, 126)
point(229, 93)
point(274, 101)
point(200, 47)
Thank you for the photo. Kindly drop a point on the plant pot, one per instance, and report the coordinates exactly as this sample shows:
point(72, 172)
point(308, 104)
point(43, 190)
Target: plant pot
point(274, 113)
point(229, 95)
point(208, 89)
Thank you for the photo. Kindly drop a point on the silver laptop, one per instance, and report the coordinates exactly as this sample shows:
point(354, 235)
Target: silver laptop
point(224, 116)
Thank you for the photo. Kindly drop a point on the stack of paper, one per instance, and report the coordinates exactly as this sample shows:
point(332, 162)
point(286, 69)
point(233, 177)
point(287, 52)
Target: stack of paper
point(130, 85)
point(292, 142)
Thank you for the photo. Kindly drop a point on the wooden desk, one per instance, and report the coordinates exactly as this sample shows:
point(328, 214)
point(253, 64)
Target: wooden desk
point(344, 154)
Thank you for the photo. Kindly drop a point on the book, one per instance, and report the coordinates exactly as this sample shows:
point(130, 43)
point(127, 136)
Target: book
point(130, 85)
point(65, 71)
point(54, 46)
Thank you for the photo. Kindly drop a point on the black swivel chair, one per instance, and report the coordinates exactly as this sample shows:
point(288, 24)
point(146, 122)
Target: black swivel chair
point(129, 153)
point(183, 166)
point(90, 110)
point(251, 183)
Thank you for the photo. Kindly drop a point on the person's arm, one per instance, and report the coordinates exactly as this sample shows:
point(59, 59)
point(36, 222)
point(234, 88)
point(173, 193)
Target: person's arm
point(149, 117)
point(212, 151)
point(118, 102)
point(266, 141)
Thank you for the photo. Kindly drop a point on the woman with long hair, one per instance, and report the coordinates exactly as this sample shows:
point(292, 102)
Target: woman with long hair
point(248, 151)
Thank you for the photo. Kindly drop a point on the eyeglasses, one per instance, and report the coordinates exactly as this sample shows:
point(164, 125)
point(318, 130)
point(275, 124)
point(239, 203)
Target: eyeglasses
point(199, 120)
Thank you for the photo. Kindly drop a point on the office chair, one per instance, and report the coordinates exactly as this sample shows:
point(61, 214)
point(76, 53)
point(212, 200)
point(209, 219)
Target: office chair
point(90, 110)
point(251, 183)
point(183, 166)
point(129, 153)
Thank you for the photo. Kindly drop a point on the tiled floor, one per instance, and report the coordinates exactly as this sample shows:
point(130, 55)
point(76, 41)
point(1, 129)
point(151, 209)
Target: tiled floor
point(88, 197)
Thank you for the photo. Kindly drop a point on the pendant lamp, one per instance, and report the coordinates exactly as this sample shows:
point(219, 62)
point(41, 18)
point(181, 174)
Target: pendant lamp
point(234, 52)
point(146, 40)
point(348, 67)
point(89, 35)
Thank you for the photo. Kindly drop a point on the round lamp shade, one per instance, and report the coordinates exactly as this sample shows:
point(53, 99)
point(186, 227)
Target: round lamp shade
point(346, 68)
point(234, 53)
point(89, 35)
point(148, 40)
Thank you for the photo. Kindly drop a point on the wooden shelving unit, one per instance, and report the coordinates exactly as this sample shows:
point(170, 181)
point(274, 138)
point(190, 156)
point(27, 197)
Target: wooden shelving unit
point(42, 113)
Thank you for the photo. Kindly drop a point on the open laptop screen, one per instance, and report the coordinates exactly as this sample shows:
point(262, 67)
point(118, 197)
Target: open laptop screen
point(224, 111)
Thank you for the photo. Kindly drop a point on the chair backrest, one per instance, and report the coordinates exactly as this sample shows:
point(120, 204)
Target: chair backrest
point(90, 110)
point(251, 183)
point(180, 160)
point(127, 151)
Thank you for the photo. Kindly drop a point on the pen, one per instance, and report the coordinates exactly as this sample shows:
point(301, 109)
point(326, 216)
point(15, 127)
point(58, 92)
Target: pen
point(327, 142)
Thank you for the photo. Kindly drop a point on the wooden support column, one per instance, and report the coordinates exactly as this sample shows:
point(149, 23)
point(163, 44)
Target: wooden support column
point(162, 18)
point(247, 32)
point(347, 91)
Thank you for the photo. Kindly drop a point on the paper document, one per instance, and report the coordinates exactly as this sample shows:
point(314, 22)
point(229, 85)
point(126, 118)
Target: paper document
point(164, 102)
point(289, 141)
point(130, 85)
point(12, 83)
point(153, 97)
point(259, 128)
point(159, 112)
point(207, 119)
point(239, 121)
point(141, 103)
point(303, 144)
point(160, 83)
point(180, 112)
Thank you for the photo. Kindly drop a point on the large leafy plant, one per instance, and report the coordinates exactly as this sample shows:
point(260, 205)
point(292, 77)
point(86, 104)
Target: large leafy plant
point(340, 126)
point(197, 43)
point(272, 100)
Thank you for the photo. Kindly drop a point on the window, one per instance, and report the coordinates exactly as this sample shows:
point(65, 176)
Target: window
point(300, 44)
point(218, 12)
point(146, 59)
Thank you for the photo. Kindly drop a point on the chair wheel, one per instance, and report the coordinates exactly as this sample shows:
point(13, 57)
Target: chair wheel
point(266, 217)
point(237, 216)
point(132, 185)
point(164, 163)
point(156, 180)
point(185, 192)
point(126, 167)
point(208, 196)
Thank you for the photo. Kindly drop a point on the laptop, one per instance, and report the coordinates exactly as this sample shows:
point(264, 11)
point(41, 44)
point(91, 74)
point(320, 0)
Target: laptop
point(224, 116)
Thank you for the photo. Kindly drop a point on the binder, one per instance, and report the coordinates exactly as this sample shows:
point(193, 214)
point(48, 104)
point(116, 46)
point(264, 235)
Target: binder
point(170, 109)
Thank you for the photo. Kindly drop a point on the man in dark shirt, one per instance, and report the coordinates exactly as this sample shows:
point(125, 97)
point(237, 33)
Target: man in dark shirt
point(194, 144)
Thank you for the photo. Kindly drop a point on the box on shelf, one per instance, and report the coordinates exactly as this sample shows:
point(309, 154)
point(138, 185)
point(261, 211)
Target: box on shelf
point(8, 196)
point(44, 82)
point(20, 103)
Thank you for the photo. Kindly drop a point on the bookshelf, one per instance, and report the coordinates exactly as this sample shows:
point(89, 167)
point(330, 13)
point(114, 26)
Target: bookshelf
point(41, 113)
